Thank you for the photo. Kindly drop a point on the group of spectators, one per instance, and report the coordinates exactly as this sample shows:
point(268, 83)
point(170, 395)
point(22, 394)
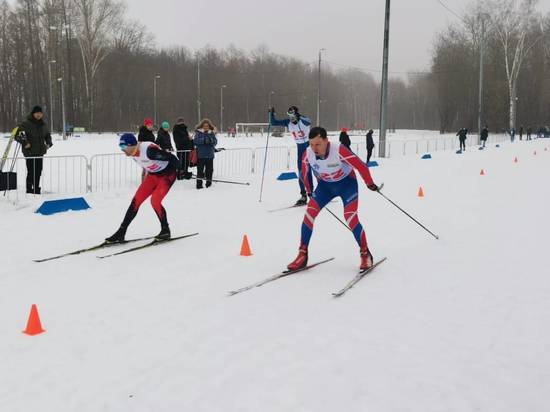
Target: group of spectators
point(193, 150)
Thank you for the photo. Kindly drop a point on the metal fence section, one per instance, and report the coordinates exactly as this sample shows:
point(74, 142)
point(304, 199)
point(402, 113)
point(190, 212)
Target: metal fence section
point(230, 162)
point(112, 171)
point(279, 158)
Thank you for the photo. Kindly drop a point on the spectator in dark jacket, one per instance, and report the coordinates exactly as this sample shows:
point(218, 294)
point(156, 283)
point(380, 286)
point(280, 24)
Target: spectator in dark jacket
point(370, 144)
point(484, 136)
point(344, 138)
point(146, 132)
point(521, 133)
point(529, 132)
point(205, 143)
point(462, 136)
point(35, 139)
point(184, 145)
point(163, 137)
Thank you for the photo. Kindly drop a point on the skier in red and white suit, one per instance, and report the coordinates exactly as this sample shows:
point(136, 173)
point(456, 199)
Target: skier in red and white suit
point(161, 168)
point(333, 165)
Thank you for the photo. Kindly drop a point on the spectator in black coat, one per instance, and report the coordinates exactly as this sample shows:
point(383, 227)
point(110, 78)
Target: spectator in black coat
point(462, 136)
point(184, 145)
point(484, 135)
point(529, 132)
point(521, 133)
point(163, 137)
point(35, 139)
point(344, 138)
point(146, 132)
point(370, 144)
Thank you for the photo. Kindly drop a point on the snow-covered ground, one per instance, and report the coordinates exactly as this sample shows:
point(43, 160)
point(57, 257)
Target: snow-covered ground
point(456, 324)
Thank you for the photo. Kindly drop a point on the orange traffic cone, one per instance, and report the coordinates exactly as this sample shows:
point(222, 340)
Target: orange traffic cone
point(245, 247)
point(420, 192)
point(34, 327)
point(482, 173)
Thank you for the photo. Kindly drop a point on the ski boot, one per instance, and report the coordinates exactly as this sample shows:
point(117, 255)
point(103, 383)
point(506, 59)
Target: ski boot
point(164, 234)
point(118, 237)
point(300, 261)
point(366, 260)
point(302, 201)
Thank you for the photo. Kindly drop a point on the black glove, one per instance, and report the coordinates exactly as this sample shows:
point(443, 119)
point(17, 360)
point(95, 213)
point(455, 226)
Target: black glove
point(373, 187)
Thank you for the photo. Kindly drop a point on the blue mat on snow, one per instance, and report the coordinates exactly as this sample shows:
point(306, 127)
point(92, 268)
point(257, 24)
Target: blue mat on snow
point(287, 176)
point(427, 156)
point(373, 163)
point(51, 207)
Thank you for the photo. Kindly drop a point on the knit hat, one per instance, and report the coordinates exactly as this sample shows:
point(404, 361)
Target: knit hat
point(36, 109)
point(344, 129)
point(165, 125)
point(127, 139)
point(148, 122)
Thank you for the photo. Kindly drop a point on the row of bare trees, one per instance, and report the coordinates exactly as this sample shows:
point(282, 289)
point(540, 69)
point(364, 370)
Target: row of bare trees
point(110, 67)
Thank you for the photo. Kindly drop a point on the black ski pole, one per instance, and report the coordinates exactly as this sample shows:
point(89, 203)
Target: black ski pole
point(221, 181)
point(265, 157)
point(412, 218)
point(338, 219)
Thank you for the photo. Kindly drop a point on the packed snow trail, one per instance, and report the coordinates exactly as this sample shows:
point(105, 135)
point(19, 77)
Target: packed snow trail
point(459, 324)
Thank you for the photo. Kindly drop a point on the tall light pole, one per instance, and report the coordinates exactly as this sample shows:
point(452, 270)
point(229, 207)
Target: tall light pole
point(155, 96)
point(338, 115)
point(384, 86)
point(223, 86)
point(481, 62)
point(319, 90)
point(271, 93)
point(51, 92)
point(60, 80)
point(199, 86)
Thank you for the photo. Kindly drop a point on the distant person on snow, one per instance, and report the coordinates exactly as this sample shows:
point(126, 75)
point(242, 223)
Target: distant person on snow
point(462, 136)
point(333, 166)
point(344, 138)
point(205, 141)
point(370, 144)
point(184, 145)
point(529, 132)
point(521, 133)
point(145, 133)
point(484, 135)
point(163, 137)
point(160, 166)
point(299, 126)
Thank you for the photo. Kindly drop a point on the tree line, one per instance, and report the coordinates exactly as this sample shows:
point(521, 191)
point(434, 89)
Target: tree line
point(110, 67)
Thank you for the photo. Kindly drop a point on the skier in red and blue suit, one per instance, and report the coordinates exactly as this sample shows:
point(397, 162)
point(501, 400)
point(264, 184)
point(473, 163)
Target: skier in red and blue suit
point(333, 165)
point(299, 126)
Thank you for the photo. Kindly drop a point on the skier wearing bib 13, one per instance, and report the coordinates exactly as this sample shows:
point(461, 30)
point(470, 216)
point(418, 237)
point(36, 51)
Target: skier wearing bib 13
point(333, 165)
point(299, 126)
point(160, 167)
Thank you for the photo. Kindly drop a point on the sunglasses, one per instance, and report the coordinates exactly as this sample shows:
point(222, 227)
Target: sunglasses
point(123, 146)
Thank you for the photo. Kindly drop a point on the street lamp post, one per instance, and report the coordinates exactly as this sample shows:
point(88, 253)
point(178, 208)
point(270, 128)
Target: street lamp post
point(223, 86)
point(319, 90)
point(60, 80)
point(338, 115)
point(384, 86)
point(155, 96)
point(51, 93)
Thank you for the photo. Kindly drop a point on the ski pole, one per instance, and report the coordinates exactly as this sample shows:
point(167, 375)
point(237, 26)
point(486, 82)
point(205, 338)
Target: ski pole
point(338, 219)
point(265, 158)
point(412, 218)
point(221, 181)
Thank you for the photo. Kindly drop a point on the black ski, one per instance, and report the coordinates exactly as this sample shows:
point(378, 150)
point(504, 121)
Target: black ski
point(357, 278)
point(154, 242)
point(277, 276)
point(285, 208)
point(89, 249)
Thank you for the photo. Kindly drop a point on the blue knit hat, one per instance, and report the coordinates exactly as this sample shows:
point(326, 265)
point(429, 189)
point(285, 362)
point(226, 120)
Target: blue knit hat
point(127, 139)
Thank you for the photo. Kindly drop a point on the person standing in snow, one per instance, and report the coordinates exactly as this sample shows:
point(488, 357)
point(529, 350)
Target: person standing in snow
point(299, 126)
point(184, 145)
point(161, 167)
point(205, 143)
point(163, 137)
point(462, 136)
point(35, 139)
point(333, 165)
point(145, 133)
point(484, 136)
point(344, 138)
point(370, 145)
point(529, 132)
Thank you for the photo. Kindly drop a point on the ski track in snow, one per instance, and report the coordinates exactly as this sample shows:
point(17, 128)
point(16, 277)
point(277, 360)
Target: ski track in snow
point(459, 324)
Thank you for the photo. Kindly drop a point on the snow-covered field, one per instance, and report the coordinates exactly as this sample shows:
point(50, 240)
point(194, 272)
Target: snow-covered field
point(456, 324)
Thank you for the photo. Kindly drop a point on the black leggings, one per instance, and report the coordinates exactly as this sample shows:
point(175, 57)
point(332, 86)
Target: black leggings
point(205, 169)
point(34, 172)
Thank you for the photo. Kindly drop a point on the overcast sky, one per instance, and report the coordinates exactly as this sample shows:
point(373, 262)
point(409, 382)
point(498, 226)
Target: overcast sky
point(351, 31)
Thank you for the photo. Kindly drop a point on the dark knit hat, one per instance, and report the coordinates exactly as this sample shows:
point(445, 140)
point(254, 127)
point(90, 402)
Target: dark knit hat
point(36, 109)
